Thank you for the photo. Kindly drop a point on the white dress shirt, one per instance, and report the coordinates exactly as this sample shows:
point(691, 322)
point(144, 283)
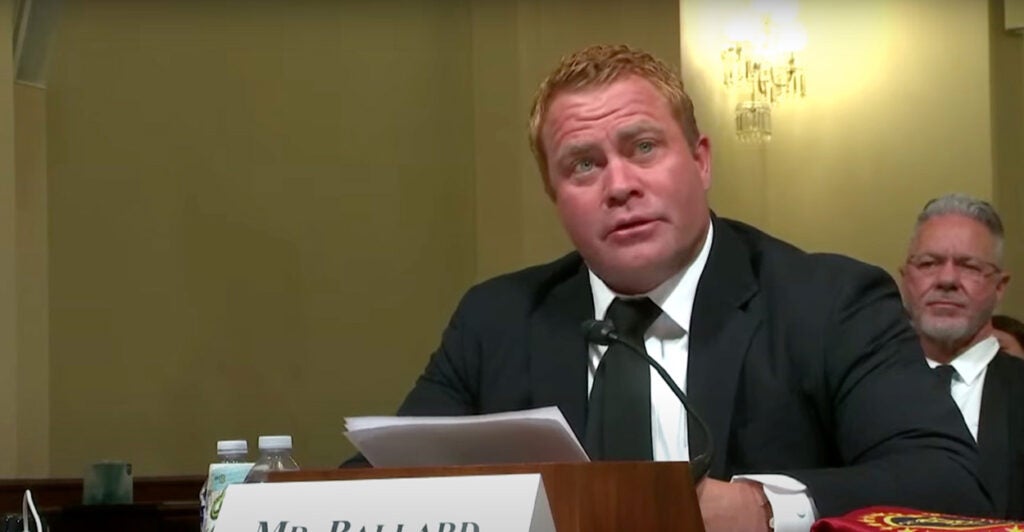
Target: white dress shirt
point(969, 380)
point(668, 343)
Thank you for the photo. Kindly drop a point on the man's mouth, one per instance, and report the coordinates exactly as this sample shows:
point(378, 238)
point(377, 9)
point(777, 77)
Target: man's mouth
point(630, 226)
point(945, 305)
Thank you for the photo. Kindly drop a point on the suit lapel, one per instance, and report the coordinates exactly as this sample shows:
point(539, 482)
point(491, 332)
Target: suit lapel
point(721, 330)
point(993, 433)
point(558, 350)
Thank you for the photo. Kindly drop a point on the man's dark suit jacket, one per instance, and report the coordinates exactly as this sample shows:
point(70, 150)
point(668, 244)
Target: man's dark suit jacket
point(1001, 434)
point(802, 364)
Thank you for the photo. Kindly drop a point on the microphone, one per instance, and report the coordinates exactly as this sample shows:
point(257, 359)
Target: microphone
point(602, 332)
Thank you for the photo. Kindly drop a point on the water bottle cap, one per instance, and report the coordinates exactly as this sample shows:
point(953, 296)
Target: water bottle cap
point(275, 443)
point(232, 446)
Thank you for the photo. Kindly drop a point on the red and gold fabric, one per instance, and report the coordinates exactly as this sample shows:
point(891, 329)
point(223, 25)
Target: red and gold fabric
point(893, 519)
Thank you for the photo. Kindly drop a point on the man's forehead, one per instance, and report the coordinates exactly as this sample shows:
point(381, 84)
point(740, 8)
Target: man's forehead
point(953, 232)
point(593, 90)
point(627, 130)
point(591, 102)
point(954, 225)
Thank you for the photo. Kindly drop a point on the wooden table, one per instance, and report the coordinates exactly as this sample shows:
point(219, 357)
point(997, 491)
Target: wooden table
point(161, 504)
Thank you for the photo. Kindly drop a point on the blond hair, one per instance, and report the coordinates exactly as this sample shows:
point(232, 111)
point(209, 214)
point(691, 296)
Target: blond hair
point(600, 65)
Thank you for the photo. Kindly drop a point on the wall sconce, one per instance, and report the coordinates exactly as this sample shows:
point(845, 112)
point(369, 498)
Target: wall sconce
point(762, 68)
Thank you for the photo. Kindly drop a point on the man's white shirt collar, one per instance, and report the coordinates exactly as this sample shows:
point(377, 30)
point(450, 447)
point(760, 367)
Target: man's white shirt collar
point(970, 364)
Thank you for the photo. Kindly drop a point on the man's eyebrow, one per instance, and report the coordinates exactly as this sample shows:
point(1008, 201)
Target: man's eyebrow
point(625, 134)
point(633, 131)
point(573, 149)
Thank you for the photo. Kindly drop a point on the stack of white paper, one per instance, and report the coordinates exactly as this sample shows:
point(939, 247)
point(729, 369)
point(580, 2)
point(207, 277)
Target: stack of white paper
point(527, 436)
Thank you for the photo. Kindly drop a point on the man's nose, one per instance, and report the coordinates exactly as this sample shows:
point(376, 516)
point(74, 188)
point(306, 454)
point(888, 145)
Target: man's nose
point(622, 182)
point(948, 276)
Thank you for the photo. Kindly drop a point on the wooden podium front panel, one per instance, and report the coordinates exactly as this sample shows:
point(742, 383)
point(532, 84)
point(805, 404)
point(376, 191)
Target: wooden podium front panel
point(166, 504)
point(585, 497)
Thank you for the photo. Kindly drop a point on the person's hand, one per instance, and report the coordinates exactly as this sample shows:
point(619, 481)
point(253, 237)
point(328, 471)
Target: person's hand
point(730, 506)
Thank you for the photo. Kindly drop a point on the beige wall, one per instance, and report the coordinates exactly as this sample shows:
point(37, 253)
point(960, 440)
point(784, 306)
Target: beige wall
point(1014, 10)
point(33, 281)
point(260, 220)
point(898, 111)
point(1007, 89)
point(8, 289)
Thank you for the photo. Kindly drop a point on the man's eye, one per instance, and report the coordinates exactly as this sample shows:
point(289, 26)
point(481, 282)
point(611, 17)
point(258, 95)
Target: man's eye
point(583, 166)
point(645, 146)
point(972, 266)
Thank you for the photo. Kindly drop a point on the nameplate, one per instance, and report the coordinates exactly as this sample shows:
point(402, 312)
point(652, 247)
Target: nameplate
point(483, 503)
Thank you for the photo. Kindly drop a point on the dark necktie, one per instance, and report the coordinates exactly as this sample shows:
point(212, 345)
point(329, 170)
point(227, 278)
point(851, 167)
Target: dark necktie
point(945, 372)
point(619, 411)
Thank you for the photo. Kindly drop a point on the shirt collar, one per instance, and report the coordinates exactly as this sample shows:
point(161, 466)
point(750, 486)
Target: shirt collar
point(674, 296)
point(974, 360)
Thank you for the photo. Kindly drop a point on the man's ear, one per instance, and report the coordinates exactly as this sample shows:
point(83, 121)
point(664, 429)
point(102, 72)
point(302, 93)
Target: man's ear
point(902, 281)
point(702, 156)
point(1004, 280)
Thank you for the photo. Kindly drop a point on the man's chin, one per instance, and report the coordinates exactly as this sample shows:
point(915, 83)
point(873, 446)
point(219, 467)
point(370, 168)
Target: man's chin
point(629, 278)
point(946, 331)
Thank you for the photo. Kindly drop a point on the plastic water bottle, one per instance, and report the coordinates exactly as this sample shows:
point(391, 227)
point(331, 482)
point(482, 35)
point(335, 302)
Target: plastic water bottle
point(228, 452)
point(232, 451)
point(275, 455)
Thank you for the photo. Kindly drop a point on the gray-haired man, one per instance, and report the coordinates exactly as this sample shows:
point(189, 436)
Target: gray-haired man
point(952, 280)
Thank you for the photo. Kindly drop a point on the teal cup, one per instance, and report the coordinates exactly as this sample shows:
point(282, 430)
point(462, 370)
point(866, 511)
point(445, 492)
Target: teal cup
point(107, 482)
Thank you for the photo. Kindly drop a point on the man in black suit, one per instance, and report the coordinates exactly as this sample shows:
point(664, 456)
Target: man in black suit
point(952, 281)
point(804, 365)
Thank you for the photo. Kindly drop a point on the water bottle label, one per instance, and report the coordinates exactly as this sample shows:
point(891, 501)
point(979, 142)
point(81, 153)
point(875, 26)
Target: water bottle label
point(221, 476)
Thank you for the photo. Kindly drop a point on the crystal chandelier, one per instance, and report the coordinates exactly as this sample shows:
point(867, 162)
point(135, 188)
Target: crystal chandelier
point(763, 69)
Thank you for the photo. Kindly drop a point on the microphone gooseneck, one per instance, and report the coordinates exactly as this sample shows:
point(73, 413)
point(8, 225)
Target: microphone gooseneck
point(602, 332)
point(598, 331)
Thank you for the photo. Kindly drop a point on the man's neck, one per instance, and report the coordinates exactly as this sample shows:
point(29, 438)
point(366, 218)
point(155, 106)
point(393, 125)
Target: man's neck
point(941, 352)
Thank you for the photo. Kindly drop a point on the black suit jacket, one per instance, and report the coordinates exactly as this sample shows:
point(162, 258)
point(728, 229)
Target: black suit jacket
point(801, 364)
point(1001, 434)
